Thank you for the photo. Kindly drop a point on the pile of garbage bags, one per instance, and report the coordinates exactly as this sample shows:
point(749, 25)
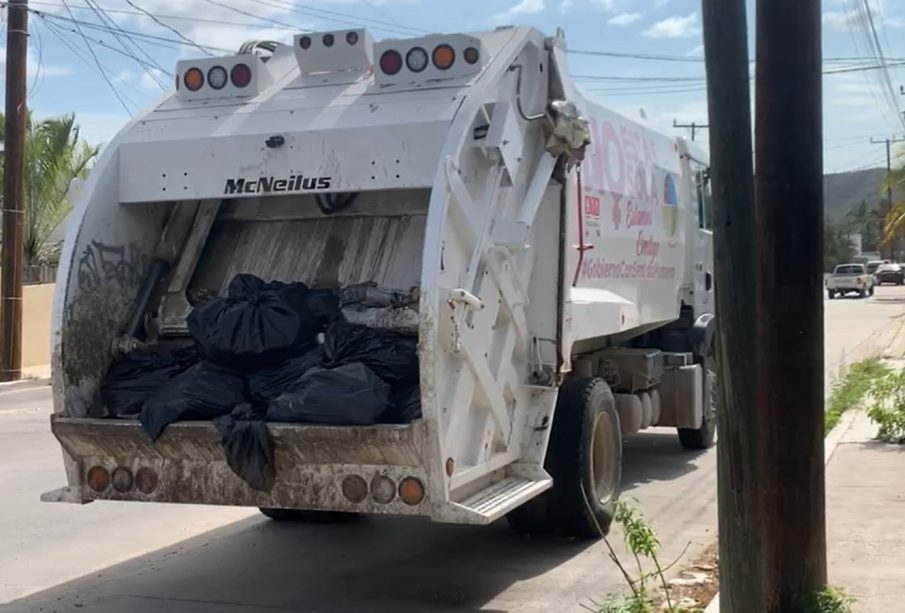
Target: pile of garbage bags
point(273, 352)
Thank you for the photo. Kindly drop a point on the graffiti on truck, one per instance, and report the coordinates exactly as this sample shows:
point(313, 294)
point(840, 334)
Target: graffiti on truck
point(100, 264)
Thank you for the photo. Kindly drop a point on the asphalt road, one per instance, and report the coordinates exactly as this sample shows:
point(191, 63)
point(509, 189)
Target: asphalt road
point(114, 557)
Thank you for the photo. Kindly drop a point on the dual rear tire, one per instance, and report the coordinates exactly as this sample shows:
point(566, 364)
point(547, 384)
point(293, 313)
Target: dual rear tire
point(585, 460)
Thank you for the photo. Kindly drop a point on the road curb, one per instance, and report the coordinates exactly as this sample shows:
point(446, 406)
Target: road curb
point(830, 443)
point(24, 384)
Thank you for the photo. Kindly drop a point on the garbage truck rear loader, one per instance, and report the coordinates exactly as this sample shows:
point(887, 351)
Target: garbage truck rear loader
point(561, 254)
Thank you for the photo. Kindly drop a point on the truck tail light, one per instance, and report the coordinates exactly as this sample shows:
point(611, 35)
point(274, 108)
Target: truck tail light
point(416, 59)
point(240, 75)
point(122, 480)
point(390, 62)
point(383, 490)
point(98, 478)
point(411, 490)
point(352, 37)
point(193, 79)
point(472, 55)
point(217, 77)
point(145, 480)
point(444, 57)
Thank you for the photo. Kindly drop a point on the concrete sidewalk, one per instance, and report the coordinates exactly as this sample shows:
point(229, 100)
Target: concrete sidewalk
point(33, 376)
point(865, 506)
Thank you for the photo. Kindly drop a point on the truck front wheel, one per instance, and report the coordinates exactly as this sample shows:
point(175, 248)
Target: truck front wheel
point(584, 458)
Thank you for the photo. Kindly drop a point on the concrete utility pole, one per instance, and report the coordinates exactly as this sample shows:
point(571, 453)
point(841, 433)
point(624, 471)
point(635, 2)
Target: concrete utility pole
point(735, 243)
point(693, 126)
point(884, 246)
point(11, 260)
point(789, 421)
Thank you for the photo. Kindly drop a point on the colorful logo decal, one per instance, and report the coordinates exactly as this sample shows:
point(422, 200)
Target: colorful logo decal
point(670, 207)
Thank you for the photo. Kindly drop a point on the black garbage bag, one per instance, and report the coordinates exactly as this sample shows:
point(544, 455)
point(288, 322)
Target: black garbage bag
point(324, 304)
point(247, 446)
point(268, 383)
point(204, 391)
point(405, 405)
point(135, 376)
point(393, 356)
point(350, 395)
point(255, 323)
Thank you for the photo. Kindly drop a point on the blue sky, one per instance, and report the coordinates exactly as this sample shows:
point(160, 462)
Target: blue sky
point(65, 77)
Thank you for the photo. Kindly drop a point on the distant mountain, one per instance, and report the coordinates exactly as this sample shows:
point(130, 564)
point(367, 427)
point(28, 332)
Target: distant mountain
point(844, 190)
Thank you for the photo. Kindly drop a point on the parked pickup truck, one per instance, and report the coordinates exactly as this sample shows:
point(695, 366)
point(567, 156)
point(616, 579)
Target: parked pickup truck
point(850, 278)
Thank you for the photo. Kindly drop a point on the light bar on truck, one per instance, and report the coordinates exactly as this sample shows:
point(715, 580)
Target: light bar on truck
point(430, 58)
point(235, 76)
point(338, 51)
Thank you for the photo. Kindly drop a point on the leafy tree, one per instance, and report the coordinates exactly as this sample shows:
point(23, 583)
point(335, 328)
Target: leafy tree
point(54, 156)
point(868, 222)
point(837, 245)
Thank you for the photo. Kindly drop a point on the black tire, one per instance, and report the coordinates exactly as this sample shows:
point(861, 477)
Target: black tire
point(695, 439)
point(831, 294)
point(584, 458)
point(311, 517)
point(870, 292)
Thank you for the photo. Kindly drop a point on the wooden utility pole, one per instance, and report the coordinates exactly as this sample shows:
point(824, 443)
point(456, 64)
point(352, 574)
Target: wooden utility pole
point(789, 361)
point(693, 126)
point(11, 260)
point(735, 240)
point(885, 248)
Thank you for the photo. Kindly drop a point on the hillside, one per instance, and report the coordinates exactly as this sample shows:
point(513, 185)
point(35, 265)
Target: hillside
point(842, 191)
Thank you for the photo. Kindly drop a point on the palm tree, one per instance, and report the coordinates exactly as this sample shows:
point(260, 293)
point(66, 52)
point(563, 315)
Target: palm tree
point(895, 219)
point(54, 156)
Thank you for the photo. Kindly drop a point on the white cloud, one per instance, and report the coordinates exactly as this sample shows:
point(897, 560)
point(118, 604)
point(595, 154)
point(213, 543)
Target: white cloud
point(624, 19)
point(661, 3)
point(525, 7)
point(566, 5)
point(97, 128)
point(674, 27)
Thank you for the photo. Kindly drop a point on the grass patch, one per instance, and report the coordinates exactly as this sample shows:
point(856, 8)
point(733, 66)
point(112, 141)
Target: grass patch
point(850, 388)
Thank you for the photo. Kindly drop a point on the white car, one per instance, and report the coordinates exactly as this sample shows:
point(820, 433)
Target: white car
point(850, 279)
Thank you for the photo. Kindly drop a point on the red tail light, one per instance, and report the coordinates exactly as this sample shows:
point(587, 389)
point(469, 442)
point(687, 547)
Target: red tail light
point(444, 56)
point(391, 62)
point(240, 75)
point(98, 478)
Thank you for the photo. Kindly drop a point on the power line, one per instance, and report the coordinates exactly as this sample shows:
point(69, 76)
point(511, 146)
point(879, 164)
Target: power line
point(98, 63)
point(259, 17)
point(58, 32)
point(122, 42)
point(168, 27)
point(335, 16)
point(147, 38)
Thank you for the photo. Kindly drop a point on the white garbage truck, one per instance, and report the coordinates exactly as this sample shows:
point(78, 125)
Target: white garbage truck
point(561, 253)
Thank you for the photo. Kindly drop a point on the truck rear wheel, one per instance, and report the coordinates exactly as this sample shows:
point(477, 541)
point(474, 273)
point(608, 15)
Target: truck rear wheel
point(311, 517)
point(584, 458)
point(832, 294)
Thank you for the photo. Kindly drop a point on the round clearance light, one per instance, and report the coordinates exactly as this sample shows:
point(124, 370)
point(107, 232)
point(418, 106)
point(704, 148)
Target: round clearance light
point(145, 480)
point(122, 480)
point(383, 490)
point(411, 491)
point(471, 55)
point(193, 79)
point(355, 489)
point(328, 40)
point(217, 77)
point(416, 59)
point(240, 75)
point(352, 37)
point(444, 56)
point(305, 42)
point(390, 62)
point(98, 478)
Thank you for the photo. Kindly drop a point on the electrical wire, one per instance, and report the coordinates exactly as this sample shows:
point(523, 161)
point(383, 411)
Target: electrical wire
point(123, 40)
point(59, 34)
point(168, 27)
point(98, 63)
point(259, 17)
point(334, 16)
